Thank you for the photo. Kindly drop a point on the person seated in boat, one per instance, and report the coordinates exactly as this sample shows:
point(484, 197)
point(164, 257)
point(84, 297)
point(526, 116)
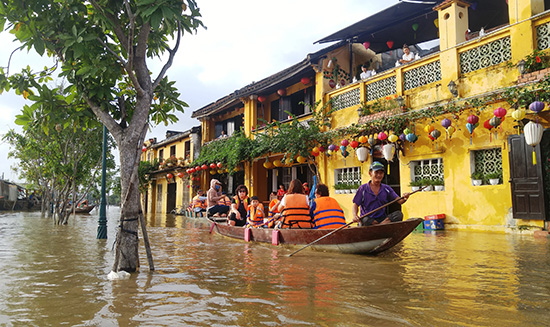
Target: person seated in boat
point(239, 207)
point(83, 204)
point(325, 211)
point(199, 202)
point(273, 213)
point(214, 195)
point(294, 208)
point(255, 215)
point(306, 188)
point(375, 194)
point(225, 200)
point(281, 192)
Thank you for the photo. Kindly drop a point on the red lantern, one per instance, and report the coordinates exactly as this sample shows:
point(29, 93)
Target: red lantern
point(262, 98)
point(354, 144)
point(487, 124)
point(322, 149)
point(220, 165)
point(344, 142)
point(305, 80)
point(472, 119)
point(499, 112)
point(212, 166)
point(181, 174)
point(169, 176)
point(390, 44)
point(191, 170)
point(204, 167)
point(281, 92)
point(198, 168)
point(144, 149)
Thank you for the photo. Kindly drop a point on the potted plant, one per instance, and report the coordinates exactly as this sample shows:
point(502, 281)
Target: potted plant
point(439, 184)
point(338, 188)
point(428, 183)
point(354, 187)
point(477, 178)
point(415, 185)
point(494, 177)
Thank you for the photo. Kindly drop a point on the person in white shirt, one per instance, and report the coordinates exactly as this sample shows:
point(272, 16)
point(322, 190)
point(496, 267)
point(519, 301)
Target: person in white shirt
point(366, 72)
point(408, 56)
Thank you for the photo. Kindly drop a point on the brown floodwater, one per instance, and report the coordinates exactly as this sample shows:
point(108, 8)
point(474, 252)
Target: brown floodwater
point(57, 276)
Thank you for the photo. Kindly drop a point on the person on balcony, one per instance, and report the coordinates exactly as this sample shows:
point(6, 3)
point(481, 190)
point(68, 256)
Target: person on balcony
point(239, 207)
point(325, 211)
point(408, 56)
point(373, 195)
point(214, 195)
point(366, 72)
point(294, 208)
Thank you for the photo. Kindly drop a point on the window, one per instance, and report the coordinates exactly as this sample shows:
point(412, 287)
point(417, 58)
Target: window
point(187, 148)
point(431, 169)
point(173, 150)
point(487, 161)
point(293, 104)
point(161, 155)
point(348, 176)
point(229, 126)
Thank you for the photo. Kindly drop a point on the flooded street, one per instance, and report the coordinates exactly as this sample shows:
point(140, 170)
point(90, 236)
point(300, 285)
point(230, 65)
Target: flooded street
point(56, 276)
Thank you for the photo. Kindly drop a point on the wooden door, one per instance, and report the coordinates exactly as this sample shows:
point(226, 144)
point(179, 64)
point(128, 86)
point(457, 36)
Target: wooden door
point(526, 180)
point(170, 197)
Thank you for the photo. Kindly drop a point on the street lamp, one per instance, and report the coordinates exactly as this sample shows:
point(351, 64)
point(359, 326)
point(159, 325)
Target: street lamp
point(521, 67)
point(102, 228)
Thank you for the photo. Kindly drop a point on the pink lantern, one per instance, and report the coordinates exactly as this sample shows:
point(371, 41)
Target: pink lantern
point(473, 119)
point(281, 92)
point(382, 136)
point(366, 45)
point(499, 112)
point(344, 142)
point(305, 80)
point(262, 98)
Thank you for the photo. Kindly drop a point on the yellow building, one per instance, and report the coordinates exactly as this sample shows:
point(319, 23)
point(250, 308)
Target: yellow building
point(469, 59)
point(169, 186)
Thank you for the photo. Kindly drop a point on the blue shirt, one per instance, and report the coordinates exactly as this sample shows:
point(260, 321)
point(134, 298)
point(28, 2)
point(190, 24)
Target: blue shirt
point(368, 201)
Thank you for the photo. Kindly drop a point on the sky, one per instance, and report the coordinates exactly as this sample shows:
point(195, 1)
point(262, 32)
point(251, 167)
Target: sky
point(244, 41)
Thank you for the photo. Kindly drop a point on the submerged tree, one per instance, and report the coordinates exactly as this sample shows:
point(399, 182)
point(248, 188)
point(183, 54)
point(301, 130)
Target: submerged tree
point(105, 48)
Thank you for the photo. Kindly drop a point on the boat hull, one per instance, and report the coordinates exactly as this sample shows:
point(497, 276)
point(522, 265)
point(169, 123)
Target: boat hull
point(357, 240)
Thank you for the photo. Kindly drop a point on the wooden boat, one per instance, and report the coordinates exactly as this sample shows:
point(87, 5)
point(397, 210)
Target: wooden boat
point(357, 240)
point(84, 209)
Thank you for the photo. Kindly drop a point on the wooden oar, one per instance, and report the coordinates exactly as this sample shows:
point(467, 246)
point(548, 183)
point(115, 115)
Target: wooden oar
point(351, 222)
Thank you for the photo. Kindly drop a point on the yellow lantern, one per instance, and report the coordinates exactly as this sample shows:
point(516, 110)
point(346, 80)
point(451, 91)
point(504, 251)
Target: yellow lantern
point(300, 159)
point(428, 129)
point(362, 139)
point(277, 163)
point(518, 114)
point(393, 138)
point(288, 161)
point(268, 164)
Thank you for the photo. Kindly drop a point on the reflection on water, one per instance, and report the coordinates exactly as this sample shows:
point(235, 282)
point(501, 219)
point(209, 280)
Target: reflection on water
point(56, 275)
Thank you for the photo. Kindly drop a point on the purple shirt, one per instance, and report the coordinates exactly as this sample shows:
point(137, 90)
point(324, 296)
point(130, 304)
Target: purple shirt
point(367, 201)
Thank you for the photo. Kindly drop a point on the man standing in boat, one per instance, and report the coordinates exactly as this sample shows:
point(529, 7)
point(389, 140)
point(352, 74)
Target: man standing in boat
point(373, 195)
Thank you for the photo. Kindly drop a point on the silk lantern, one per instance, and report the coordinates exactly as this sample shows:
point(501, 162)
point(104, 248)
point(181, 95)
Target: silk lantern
point(213, 166)
point(204, 167)
point(533, 135)
point(362, 154)
point(220, 165)
point(267, 164)
point(362, 139)
point(354, 144)
point(181, 174)
point(262, 98)
point(305, 80)
point(388, 151)
point(536, 106)
point(344, 142)
point(301, 159)
point(435, 134)
point(428, 129)
point(366, 45)
point(495, 122)
point(518, 115)
point(382, 136)
point(393, 138)
point(446, 122)
point(281, 92)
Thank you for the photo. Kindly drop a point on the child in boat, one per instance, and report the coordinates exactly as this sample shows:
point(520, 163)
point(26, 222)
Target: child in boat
point(273, 213)
point(255, 216)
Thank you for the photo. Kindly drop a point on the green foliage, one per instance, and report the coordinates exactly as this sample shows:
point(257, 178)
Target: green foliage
point(379, 105)
point(537, 60)
point(494, 175)
point(477, 175)
point(145, 170)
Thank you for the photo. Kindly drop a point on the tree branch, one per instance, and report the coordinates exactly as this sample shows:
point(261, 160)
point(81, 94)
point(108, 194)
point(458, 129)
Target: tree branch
point(170, 59)
point(117, 28)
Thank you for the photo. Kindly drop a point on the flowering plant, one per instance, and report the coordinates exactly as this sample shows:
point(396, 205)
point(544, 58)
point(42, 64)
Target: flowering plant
point(379, 105)
point(536, 61)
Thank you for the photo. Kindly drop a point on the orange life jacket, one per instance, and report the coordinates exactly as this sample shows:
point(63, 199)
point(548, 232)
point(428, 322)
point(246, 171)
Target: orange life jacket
point(273, 207)
point(255, 216)
point(225, 201)
point(296, 212)
point(199, 203)
point(328, 214)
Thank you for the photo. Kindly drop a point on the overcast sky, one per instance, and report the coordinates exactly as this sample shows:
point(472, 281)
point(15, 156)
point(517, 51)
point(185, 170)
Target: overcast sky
point(245, 41)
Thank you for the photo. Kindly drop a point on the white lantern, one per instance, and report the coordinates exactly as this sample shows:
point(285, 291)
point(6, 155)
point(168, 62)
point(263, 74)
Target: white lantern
point(388, 151)
point(362, 153)
point(533, 136)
